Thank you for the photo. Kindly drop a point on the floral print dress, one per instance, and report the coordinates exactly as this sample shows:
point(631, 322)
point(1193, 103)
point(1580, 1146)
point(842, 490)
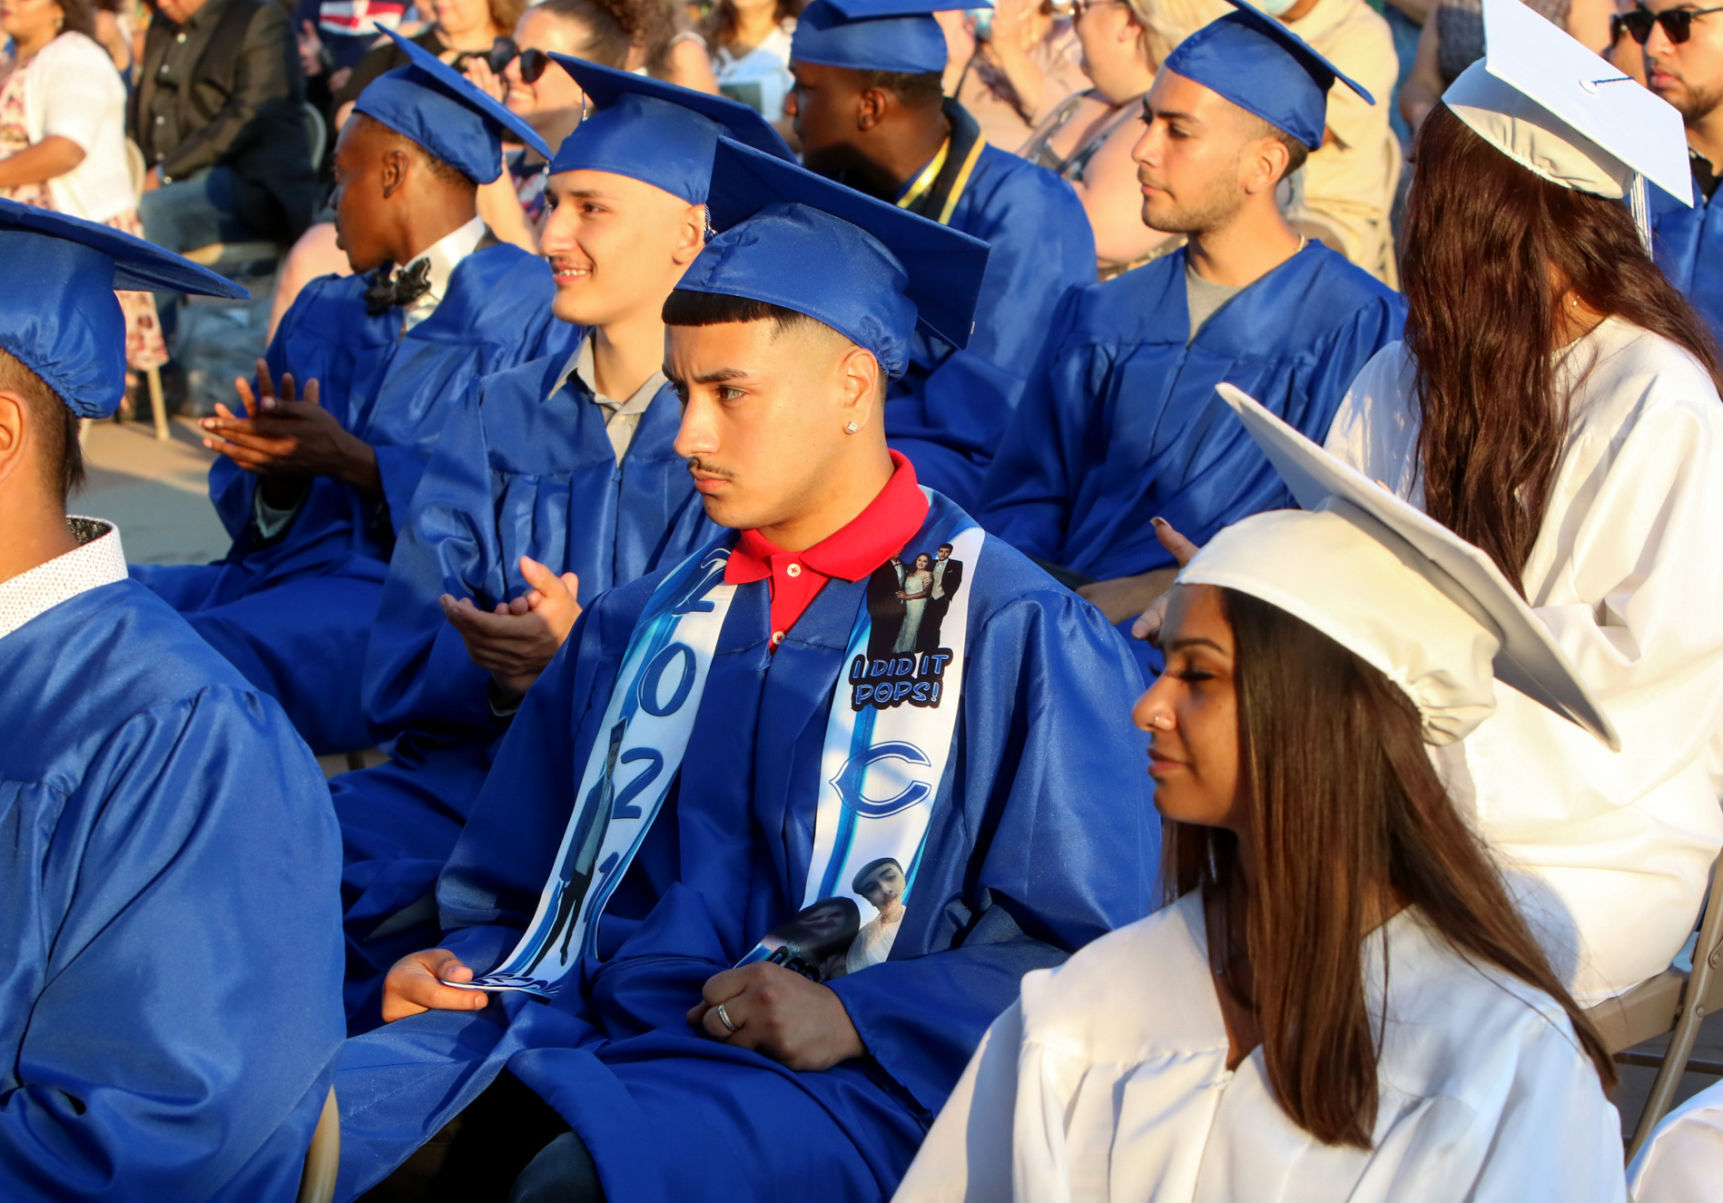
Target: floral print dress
point(145, 347)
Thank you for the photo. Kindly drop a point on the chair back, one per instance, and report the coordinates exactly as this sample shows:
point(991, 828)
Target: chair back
point(316, 135)
point(136, 169)
point(323, 1158)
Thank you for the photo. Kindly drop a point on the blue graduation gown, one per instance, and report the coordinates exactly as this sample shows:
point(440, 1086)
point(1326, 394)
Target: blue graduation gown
point(1123, 424)
point(524, 467)
point(292, 612)
point(170, 959)
point(1689, 248)
point(1043, 837)
point(949, 411)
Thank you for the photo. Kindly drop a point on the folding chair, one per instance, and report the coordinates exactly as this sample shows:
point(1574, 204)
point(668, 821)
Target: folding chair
point(323, 1158)
point(1674, 1002)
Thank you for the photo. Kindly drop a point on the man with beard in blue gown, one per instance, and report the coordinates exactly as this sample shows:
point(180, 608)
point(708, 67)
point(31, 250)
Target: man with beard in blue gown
point(567, 460)
point(1120, 425)
point(170, 961)
point(765, 759)
point(314, 486)
point(869, 111)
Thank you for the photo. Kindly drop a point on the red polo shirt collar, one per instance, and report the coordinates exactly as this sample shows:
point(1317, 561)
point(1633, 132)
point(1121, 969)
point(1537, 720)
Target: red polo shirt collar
point(869, 539)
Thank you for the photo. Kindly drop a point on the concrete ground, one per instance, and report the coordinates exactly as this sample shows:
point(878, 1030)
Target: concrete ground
point(156, 492)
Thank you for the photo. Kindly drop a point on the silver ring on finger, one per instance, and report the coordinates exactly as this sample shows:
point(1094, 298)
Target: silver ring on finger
point(724, 1018)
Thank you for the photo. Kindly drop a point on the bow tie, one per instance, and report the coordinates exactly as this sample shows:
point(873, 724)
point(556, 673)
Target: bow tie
point(388, 291)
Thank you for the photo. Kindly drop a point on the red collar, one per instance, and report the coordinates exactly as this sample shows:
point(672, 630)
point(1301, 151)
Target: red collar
point(868, 540)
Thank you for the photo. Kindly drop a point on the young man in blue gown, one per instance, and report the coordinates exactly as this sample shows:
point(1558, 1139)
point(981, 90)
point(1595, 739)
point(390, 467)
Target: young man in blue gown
point(717, 1026)
point(869, 111)
point(171, 956)
point(1120, 425)
point(553, 482)
point(314, 488)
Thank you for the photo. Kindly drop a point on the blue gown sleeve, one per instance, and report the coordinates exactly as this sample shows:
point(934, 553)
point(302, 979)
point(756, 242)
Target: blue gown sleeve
point(417, 671)
point(1026, 494)
point(190, 1008)
point(231, 488)
point(1050, 872)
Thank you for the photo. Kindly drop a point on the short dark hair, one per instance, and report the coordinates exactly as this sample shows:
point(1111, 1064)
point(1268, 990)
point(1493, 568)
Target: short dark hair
point(685, 307)
point(1296, 151)
point(918, 90)
point(63, 458)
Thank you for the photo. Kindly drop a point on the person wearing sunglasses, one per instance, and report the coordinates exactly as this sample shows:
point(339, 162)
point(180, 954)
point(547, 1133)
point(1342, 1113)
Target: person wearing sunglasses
point(1683, 48)
point(520, 72)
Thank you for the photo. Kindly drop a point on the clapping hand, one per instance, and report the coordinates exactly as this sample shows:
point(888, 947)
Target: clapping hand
point(515, 641)
point(281, 437)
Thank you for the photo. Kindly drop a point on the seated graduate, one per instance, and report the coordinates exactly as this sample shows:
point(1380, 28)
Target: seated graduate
point(869, 110)
point(1584, 453)
point(171, 1009)
point(1340, 1000)
point(1115, 429)
point(680, 824)
point(314, 483)
point(1683, 50)
point(553, 482)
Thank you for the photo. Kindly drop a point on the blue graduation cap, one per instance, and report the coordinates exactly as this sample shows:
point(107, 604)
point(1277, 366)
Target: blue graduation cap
point(436, 106)
point(875, 35)
point(888, 267)
point(1264, 68)
point(58, 314)
point(655, 132)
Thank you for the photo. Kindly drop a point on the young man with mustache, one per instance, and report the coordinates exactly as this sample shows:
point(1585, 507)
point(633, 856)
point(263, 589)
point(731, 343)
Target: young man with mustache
point(765, 761)
point(552, 482)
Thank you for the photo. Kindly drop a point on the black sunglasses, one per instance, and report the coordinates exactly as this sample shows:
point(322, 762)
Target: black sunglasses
point(503, 51)
point(1677, 23)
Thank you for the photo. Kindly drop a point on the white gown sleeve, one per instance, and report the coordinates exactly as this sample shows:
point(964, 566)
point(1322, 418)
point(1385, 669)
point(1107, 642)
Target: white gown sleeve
point(968, 1153)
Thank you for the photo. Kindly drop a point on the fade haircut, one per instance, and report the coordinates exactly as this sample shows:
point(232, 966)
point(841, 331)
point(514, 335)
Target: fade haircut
point(62, 457)
point(915, 91)
point(1296, 151)
point(440, 169)
point(685, 307)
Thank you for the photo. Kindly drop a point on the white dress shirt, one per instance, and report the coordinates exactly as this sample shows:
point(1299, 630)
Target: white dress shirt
point(97, 560)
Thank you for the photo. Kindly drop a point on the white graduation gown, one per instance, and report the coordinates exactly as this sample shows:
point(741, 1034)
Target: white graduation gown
point(1108, 1081)
point(1627, 574)
point(1683, 1160)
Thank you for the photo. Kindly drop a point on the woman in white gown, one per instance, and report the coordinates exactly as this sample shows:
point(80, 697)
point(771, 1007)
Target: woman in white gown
point(915, 588)
point(1555, 402)
point(1340, 1002)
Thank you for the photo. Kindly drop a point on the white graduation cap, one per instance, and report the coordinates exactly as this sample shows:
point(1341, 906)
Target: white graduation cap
point(1392, 585)
point(1557, 109)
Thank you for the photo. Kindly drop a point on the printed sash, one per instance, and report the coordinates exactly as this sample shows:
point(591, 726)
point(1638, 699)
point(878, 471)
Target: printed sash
point(888, 738)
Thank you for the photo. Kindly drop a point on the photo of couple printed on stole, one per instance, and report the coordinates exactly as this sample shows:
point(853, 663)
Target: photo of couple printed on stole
point(908, 601)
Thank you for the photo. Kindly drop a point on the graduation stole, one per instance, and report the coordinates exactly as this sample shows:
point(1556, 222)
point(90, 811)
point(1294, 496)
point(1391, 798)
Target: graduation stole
point(888, 737)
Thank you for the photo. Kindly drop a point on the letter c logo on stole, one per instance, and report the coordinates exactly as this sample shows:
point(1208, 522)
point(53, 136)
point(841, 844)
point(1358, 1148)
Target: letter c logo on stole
point(848, 781)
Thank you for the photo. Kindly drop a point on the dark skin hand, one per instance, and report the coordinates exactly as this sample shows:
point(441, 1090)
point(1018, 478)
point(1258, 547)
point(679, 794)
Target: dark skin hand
point(796, 1022)
point(286, 441)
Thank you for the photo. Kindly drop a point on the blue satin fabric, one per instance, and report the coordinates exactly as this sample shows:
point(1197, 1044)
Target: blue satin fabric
point(305, 646)
point(524, 467)
point(1042, 247)
point(908, 43)
point(1122, 423)
point(170, 961)
point(1264, 68)
point(1689, 248)
point(1044, 837)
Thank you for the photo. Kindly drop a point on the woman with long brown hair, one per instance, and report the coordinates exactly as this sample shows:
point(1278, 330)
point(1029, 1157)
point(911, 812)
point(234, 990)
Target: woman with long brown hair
point(1340, 1000)
point(1555, 403)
